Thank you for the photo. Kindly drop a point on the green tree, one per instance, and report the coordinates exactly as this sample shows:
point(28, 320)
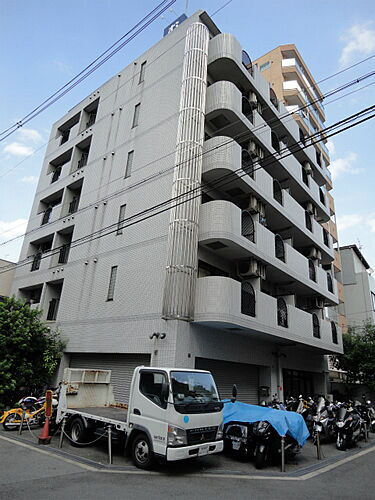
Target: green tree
point(30, 352)
point(358, 359)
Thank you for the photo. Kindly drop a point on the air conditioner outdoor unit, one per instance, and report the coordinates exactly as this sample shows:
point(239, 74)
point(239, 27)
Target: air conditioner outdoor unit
point(307, 167)
point(251, 268)
point(310, 208)
point(253, 100)
point(314, 253)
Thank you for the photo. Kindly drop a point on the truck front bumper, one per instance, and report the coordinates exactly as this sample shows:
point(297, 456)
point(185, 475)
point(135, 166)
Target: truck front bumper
point(194, 451)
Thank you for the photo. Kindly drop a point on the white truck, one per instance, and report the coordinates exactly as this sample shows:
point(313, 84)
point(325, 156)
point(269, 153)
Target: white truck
point(172, 413)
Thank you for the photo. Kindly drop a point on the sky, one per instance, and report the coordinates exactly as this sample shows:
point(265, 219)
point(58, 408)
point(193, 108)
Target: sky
point(44, 44)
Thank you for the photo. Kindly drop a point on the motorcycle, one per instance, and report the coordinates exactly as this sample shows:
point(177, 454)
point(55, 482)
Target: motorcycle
point(268, 445)
point(350, 426)
point(238, 440)
point(29, 410)
point(367, 412)
point(324, 421)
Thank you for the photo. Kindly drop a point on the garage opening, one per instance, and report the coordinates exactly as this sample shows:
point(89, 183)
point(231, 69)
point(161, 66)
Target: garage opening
point(226, 373)
point(122, 366)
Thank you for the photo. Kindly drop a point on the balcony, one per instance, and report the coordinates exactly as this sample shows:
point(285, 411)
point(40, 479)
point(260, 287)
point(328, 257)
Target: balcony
point(222, 221)
point(220, 161)
point(218, 305)
point(331, 227)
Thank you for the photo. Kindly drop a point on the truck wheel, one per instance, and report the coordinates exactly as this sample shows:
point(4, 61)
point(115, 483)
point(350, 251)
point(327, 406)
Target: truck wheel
point(142, 454)
point(78, 433)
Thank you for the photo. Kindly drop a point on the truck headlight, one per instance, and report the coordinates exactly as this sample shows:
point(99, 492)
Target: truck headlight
point(219, 432)
point(176, 436)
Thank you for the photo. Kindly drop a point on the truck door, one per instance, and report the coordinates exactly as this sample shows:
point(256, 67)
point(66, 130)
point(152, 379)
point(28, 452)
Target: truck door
point(149, 407)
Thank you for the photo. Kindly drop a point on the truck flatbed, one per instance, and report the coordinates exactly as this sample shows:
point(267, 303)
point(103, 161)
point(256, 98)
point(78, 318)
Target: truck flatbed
point(103, 413)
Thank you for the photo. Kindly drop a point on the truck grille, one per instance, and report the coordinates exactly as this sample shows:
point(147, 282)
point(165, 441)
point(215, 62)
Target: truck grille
point(201, 435)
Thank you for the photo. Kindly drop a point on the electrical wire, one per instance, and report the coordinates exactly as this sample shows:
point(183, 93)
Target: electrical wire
point(93, 66)
point(332, 92)
point(98, 234)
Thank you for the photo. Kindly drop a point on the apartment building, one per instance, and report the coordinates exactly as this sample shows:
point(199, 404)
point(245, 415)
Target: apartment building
point(293, 84)
point(232, 271)
point(359, 286)
point(6, 277)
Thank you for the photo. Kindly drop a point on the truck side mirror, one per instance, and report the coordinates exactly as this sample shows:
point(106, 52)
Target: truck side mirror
point(234, 393)
point(164, 392)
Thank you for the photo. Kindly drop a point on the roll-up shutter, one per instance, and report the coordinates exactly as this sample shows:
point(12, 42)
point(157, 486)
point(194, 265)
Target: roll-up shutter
point(226, 373)
point(122, 366)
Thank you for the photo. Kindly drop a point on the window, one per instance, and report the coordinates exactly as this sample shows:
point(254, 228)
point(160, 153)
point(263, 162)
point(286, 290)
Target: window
point(264, 66)
point(275, 141)
point(46, 216)
point(136, 115)
point(305, 176)
point(247, 299)
point(129, 164)
point(329, 283)
point(142, 72)
point(36, 261)
point(112, 282)
point(52, 309)
point(282, 313)
point(277, 191)
point(273, 98)
point(373, 300)
point(153, 385)
point(279, 248)
point(247, 163)
point(302, 137)
point(121, 217)
point(247, 224)
point(322, 197)
point(312, 271)
point(316, 326)
point(308, 221)
point(325, 237)
point(334, 333)
point(247, 110)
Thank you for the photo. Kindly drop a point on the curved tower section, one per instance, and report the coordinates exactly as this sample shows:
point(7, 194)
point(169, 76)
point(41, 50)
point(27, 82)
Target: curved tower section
point(182, 260)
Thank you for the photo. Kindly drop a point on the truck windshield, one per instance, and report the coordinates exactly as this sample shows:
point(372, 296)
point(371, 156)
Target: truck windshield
point(194, 391)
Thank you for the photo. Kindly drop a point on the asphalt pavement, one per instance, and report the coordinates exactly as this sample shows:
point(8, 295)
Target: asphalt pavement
point(34, 473)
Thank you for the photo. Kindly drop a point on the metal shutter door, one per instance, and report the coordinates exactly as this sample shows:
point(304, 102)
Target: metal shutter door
point(226, 373)
point(122, 366)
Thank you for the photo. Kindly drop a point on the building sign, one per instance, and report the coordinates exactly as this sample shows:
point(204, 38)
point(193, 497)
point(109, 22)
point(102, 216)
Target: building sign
point(176, 23)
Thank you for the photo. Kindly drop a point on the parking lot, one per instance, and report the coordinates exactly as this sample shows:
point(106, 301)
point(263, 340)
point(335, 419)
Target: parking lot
point(97, 456)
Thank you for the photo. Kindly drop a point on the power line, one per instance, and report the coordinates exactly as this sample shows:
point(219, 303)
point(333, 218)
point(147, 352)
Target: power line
point(278, 119)
point(146, 215)
point(93, 66)
point(152, 177)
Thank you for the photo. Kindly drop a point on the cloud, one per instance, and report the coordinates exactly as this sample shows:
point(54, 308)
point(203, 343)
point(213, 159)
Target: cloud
point(18, 149)
point(12, 229)
point(360, 41)
point(365, 221)
point(62, 67)
point(331, 148)
point(29, 135)
point(345, 165)
point(31, 179)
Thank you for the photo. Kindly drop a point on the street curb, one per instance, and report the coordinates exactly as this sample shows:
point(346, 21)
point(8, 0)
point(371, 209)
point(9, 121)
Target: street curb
point(298, 474)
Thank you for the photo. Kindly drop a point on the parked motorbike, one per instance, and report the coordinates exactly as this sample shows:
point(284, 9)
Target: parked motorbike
point(350, 426)
point(324, 422)
point(31, 409)
point(367, 412)
point(268, 445)
point(239, 440)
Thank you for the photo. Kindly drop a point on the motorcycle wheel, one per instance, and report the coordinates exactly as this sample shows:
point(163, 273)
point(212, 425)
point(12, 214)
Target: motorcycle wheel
point(260, 458)
point(12, 422)
point(341, 442)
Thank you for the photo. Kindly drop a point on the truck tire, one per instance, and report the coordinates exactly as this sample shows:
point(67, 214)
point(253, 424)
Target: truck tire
point(78, 433)
point(141, 451)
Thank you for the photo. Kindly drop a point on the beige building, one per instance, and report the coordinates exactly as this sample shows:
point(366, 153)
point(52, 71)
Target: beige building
point(6, 278)
point(293, 84)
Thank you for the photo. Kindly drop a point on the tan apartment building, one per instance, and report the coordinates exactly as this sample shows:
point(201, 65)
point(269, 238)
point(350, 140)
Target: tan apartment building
point(293, 84)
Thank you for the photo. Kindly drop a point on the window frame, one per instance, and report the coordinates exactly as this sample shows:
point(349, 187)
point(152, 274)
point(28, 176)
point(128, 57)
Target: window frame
point(120, 222)
point(163, 405)
point(129, 164)
point(137, 109)
point(112, 284)
point(142, 72)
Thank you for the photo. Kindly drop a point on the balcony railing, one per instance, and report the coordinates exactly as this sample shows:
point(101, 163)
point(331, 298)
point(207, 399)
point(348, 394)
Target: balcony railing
point(46, 216)
point(82, 162)
point(56, 174)
point(36, 262)
point(65, 136)
point(91, 120)
point(73, 205)
point(52, 309)
point(63, 254)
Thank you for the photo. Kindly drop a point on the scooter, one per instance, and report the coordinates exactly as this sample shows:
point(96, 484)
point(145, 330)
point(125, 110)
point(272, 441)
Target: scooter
point(238, 440)
point(324, 422)
point(350, 427)
point(268, 445)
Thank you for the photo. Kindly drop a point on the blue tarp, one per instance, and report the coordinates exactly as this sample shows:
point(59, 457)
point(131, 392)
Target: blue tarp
point(284, 422)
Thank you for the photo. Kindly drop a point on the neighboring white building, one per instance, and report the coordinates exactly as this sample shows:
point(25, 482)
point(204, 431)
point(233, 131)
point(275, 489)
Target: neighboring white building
point(359, 286)
point(235, 280)
point(6, 277)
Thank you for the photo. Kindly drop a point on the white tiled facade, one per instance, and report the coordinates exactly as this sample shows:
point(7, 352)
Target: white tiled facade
point(88, 191)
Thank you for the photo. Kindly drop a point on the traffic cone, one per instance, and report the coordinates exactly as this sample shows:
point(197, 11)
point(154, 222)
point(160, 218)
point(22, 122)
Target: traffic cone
point(44, 437)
